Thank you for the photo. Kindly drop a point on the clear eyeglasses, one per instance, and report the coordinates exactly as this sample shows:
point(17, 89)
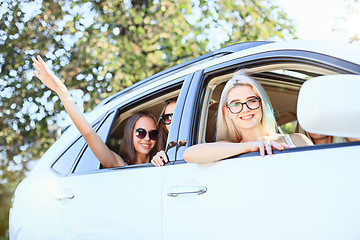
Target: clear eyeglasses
point(236, 106)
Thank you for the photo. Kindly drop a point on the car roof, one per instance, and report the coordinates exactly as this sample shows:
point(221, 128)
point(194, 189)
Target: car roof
point(346, 52)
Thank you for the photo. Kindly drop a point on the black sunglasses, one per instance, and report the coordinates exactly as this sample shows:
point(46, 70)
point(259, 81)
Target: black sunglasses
point(166, 118)
point(141, 134)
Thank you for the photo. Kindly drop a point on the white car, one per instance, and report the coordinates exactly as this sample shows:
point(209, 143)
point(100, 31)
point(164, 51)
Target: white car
point(308, 192)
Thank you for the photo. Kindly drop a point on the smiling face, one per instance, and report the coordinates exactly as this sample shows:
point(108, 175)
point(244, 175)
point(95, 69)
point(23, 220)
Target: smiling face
point(247, 118)
point(145, 145)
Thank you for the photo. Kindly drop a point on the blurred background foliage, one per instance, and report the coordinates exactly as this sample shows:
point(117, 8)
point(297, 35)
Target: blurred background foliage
point(102, 46)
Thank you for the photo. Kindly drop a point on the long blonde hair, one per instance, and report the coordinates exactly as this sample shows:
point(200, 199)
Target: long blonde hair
point(226, 130)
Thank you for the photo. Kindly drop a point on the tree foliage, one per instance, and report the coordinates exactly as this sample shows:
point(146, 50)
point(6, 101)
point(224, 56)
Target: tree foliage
point(346, 19)
point(103, 46)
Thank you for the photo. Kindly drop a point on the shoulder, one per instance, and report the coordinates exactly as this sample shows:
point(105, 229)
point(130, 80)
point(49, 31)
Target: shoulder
point(300, 140)
point(279, 138)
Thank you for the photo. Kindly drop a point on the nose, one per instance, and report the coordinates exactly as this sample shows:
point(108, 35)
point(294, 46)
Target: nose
point(147, 137)
point(245, 108)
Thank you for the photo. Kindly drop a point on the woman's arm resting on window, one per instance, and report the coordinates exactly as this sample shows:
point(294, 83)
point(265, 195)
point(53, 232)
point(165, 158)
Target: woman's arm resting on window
point(211, 152)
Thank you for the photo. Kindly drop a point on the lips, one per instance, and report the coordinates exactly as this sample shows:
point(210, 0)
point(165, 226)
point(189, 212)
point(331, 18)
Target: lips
point(145, 145)
point(247, 117)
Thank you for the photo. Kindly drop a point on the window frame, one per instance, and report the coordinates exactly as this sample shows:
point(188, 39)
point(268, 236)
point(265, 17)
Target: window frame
point(122, 107)
point(189, 128)
point(108, 118)
point(73, 143)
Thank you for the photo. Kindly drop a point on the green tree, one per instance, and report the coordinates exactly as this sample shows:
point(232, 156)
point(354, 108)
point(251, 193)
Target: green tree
point(103, 46)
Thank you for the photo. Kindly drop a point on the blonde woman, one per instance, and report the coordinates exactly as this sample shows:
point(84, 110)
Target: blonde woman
point(245, 123)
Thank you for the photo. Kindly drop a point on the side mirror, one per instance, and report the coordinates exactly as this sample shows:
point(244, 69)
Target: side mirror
point(330, 105)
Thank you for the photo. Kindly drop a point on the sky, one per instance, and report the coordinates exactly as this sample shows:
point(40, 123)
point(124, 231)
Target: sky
point(315, 19)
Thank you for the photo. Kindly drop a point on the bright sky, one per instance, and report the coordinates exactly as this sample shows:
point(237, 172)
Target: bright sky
point(315, 19)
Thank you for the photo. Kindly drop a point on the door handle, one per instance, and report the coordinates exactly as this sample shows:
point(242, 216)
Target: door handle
point(64, 196)
point(182, 190)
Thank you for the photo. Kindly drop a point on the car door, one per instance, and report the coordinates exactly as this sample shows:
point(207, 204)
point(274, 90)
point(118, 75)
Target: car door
point(108, 203)
point(116, 203)
point(301, 193)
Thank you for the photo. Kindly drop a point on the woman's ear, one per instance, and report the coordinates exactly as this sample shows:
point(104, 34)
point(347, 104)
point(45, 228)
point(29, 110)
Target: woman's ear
point(226, 111)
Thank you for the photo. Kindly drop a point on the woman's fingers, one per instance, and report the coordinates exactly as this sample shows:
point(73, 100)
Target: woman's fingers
point(36, 74)
point(163, 156)
point(159, 159)
point(39, 64)
point(261, 148)
point(37, 68)
point(284, 145)
point(36, 64)
point(35, 61)
point(156, 161)
point(41, 60)
point(268, 146)
point(277, 146)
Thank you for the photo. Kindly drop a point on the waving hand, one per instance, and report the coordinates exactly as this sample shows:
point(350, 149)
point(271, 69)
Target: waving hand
point(107, 157)
point(46, 76)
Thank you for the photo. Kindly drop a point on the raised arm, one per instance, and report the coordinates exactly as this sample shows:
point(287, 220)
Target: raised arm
point(107, 157)
point(211, 152)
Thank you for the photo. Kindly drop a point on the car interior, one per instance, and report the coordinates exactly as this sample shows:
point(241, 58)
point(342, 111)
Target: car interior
point(153, 106)
point(282, 83)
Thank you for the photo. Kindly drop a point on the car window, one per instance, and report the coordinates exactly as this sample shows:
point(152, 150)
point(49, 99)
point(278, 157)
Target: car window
point(89, 161)
point(282, 83)
point(66, 161)
point(152, 105)
point(282, 91)
point(111, 129)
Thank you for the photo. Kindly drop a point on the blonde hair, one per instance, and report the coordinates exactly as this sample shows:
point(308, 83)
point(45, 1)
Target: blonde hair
point(225, 128)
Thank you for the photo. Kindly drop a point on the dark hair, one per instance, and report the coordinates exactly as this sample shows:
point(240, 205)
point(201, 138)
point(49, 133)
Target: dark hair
point(163, 132)
point(127, 150)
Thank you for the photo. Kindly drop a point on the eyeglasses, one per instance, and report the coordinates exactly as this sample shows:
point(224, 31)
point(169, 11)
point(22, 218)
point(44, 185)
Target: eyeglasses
point(166, 118)
point(141, 134)
point(236, 106)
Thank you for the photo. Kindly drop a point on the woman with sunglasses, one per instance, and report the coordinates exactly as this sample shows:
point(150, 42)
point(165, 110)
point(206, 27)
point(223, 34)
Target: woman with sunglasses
point(140, 133)
point(164, 126)
point(245, 123)
point(139, 141)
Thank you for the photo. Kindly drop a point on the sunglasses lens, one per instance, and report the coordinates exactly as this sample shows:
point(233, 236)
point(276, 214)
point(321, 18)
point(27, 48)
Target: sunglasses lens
point(167, 118)
point(140, 133)
point(153, 135)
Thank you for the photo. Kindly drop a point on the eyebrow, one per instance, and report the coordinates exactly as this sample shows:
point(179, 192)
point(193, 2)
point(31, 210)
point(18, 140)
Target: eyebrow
point(250, 97)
